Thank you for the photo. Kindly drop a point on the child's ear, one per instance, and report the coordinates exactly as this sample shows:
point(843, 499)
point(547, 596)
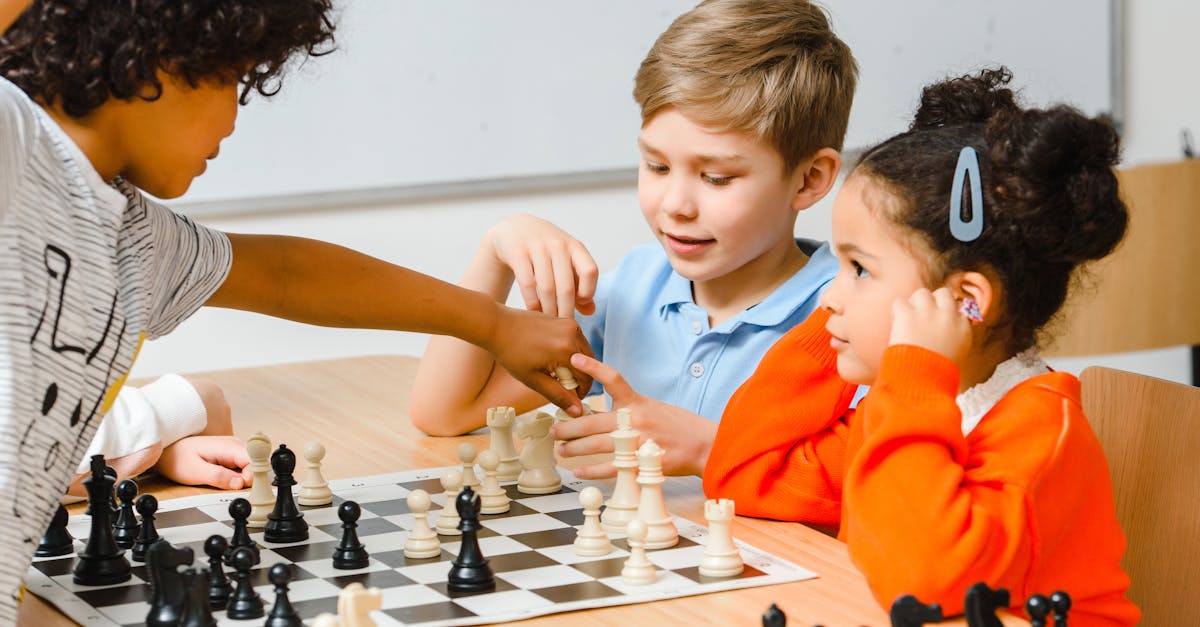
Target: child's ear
point(976, 285)
point(814, 177)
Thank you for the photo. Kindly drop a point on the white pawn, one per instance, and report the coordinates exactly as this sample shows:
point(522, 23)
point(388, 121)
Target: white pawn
point(262, 499)
point(565, 377)
point(467, 454)
point(638, 570)
point(539, 470)
point(355, 604)
point(314, 490)
point(492, 498)
point(721, 557)
point(447, 522)
point(591, 539)
point(500, 421)
point(422, 542)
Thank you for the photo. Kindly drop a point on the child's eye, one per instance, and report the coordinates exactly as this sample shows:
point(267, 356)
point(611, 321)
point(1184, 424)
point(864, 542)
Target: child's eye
point(656, 168)
point(717, 180)
point(859, 271)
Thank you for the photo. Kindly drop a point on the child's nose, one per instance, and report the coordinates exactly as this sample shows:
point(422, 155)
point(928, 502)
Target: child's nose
point(678, 200)
point(829, 301)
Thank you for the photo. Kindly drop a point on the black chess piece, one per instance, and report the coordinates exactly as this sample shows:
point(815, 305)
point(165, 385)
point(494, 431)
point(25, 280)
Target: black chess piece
point(981, 604)
point(167, 591)
point(239, 510)
point(282, 613)
point(57, 539)
point(285, 523)
point(100, 563)
point(774, 617)
point(470, 571)
point(146, 505)
point(350, 553)
point(907, 611)
point(219, 588)
point(110, 473)
point(196, 611)
point(1061, 601)
point(125, 530)
point(1038, 608)
point(245, 603)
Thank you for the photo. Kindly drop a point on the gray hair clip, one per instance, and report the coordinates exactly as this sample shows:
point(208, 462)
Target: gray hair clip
point(969, 230)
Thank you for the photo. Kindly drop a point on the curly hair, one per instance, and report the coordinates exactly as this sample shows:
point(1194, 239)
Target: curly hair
point(79, 53)
point(1051, 202)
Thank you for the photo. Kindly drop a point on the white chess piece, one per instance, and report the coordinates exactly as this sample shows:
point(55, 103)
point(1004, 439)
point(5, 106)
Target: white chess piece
point(492, 498)
point(325, 619)
point(314, 490)
point(565, 377)
point(447, 522)
point(355, 604)
point(261, 497)
point(591, 539)
point(638, 571)
point(467, 454)
point(622, 506)
point(721, 557)
point(539, 470)
point(652, 509)
point(422, 542)
point(500, 425)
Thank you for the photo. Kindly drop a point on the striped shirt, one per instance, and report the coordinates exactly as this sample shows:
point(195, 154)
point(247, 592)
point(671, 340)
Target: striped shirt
point(88, 270)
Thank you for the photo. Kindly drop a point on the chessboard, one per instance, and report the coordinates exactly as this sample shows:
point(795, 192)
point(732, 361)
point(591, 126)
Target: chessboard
point(530, 549)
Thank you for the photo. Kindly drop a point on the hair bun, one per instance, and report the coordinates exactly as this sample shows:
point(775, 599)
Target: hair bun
point(1053, 168)
point(965, 100)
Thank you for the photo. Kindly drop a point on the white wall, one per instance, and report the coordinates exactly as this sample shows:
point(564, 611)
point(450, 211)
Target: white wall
point(439, 237)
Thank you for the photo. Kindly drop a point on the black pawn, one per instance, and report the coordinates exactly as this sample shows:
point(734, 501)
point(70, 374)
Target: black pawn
point(285, 523)
point(239, 510)
point(282, 613)
point(219, 588)
point(57, 541)
point(981, 604)
point(774, 617)
point(907, 611)
point(146, 505)
point(100, 563)
point(1038, 608)
point(125, 530)
point(470, 571)
point(350, 553)
point(1061, 601)
point(246, 603)
point(196, 612)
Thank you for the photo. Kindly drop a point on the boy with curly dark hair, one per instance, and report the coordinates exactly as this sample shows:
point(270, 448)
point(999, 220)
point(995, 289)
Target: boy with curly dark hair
point(101, 101)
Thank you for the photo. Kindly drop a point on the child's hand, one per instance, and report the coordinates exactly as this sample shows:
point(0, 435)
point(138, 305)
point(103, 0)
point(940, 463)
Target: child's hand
point(686, 437)
point(530, 345)
point(218, 461)
point(553, 270)
point(932, 321)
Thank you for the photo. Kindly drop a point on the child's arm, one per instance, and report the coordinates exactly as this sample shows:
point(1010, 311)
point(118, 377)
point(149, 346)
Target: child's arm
point(456, 381)
point(10, 10)
point(325, 284)
point(686, 437)
point(781, 445)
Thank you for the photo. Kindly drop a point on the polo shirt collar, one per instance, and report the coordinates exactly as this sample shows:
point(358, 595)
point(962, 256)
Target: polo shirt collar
point(797, 290)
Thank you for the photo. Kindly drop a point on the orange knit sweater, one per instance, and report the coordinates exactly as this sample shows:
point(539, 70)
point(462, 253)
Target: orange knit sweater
point(1024, 502)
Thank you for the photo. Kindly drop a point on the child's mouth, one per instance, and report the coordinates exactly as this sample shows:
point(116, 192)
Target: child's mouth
point(687, 245)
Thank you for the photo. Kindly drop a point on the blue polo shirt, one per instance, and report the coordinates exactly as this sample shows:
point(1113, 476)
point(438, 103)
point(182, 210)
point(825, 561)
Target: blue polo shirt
point(648, 327)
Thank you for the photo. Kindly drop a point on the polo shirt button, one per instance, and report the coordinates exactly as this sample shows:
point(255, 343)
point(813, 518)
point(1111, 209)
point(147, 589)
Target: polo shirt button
point(697, 328)
point(697, 369)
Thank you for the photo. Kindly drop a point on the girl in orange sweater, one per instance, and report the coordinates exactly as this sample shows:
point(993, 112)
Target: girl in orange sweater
point(970, 460)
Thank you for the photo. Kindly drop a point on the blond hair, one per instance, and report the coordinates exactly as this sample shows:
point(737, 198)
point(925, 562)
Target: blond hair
point(772, 68)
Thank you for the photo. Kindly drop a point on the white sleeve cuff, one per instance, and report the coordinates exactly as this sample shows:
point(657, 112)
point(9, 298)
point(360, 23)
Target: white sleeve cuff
point(177, 406)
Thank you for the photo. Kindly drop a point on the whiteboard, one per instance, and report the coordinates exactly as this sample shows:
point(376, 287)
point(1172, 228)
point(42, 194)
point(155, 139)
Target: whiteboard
point(440, 94)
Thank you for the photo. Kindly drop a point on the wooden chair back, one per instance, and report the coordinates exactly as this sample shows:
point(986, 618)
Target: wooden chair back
point(1150, 431)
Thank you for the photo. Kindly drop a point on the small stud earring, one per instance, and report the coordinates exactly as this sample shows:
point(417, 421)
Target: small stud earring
point(970, 310)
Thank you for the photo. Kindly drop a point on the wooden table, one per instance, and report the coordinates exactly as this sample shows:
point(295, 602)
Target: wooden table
point(358, 408)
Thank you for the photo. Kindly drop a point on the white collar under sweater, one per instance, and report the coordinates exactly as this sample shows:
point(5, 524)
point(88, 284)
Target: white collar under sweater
point(979, 399)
